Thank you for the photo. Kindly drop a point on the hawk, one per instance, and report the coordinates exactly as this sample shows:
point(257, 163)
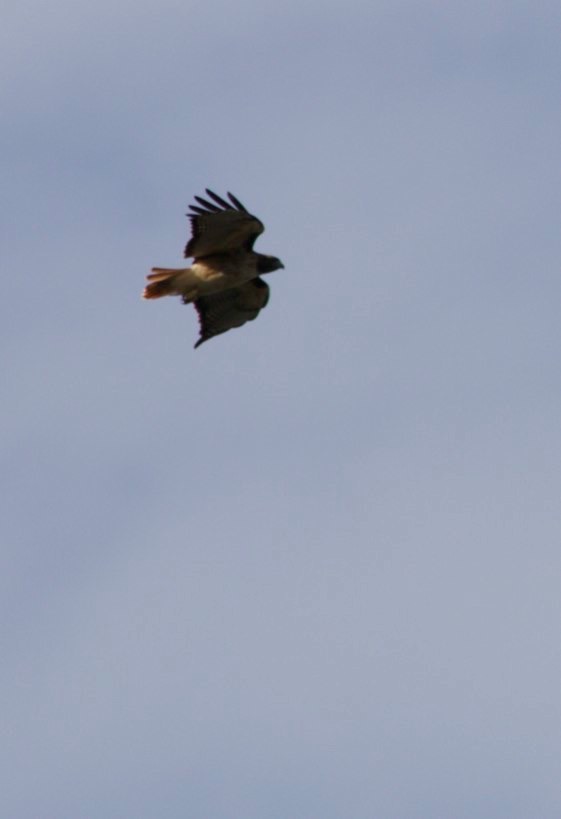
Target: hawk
point(223, 283)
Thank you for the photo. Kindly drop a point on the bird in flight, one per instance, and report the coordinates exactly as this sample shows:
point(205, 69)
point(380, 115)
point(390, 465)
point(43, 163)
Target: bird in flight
point(223, 283)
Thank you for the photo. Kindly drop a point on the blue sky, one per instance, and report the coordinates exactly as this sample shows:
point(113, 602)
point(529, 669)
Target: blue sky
point(311, 569)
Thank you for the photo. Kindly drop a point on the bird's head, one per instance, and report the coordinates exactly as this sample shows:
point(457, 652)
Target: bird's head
point(267, 264)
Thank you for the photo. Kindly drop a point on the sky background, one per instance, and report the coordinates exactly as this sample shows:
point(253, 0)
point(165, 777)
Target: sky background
point(311, 569)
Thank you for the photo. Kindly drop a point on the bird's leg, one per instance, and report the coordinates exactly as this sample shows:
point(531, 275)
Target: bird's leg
point(190, 296)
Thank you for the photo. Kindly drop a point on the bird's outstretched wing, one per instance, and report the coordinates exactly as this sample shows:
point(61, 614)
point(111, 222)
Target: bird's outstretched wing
point(231, 308)
point(221, 226)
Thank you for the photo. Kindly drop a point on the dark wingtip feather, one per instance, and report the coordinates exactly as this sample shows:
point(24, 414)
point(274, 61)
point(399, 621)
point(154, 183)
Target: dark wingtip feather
point(219, 200)
point(237, 202)
point(202, 338)
point(207, 205)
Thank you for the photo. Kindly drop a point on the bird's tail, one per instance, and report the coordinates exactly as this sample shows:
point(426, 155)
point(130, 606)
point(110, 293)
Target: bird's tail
point(162, 282)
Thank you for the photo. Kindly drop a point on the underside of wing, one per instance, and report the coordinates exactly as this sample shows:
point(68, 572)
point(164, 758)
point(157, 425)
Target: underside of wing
point(220, 312)
point(221, 226)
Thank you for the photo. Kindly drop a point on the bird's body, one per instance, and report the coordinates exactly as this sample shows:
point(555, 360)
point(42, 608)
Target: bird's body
point(208, 274)
point(223, 282)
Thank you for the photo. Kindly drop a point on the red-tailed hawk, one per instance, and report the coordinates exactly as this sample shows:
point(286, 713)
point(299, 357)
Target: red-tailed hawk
point(223, 282)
